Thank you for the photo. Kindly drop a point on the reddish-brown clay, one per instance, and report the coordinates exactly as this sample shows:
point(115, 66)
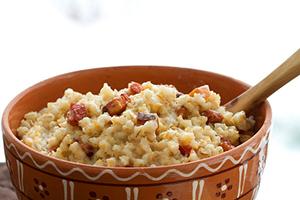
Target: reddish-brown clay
point(234, 174)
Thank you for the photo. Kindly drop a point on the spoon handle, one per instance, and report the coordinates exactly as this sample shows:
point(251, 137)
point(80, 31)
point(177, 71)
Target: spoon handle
point(270, 84)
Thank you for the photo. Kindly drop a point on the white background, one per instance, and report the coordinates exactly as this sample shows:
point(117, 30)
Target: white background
point(242, 39)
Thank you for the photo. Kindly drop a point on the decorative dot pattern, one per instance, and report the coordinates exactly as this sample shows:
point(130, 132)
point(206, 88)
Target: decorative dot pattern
point(223, 187)
point(41, 188)
point(93, 196)
point(168, 195)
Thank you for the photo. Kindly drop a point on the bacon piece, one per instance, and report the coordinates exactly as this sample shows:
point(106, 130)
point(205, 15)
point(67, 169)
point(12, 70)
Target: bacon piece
point(183, 111)
point(142, 118)
point(87, 148)
point(125, 97)
point(135, 88)
point(117, 105)
point(226, 144)
point(185, 150)
point(76, 113)
point(212, 116)
point(53, 148)
point(204, 90)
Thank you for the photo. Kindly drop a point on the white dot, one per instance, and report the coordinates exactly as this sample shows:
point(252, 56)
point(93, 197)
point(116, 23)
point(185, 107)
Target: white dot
point(224, 187)
point(41, 188)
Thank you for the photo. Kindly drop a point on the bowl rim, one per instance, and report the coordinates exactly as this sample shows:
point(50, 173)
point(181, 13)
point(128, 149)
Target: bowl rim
point(7, 132)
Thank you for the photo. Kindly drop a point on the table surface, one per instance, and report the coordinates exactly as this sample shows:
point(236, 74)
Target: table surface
point(6, 189)
point(242, 39)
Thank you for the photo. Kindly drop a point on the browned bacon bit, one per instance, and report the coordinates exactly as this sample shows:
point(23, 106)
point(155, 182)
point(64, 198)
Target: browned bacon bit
point(204, 90)
point(76, 113)
point(226, 144)
point(142, 118)
point(183, 111)
point(87, 148)
point(185, 150)
point(53, 148)
point(135, 88)
point(125, 97)
point(212, 116)
point(116, 106)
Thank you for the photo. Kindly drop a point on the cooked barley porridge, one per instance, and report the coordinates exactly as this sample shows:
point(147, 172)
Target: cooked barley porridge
point(142, 125)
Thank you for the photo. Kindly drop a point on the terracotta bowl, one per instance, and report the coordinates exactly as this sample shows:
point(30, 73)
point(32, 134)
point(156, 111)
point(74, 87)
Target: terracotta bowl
point(234, 174)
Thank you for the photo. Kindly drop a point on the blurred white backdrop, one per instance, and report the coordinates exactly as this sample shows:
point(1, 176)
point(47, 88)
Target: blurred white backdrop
point(242, 39)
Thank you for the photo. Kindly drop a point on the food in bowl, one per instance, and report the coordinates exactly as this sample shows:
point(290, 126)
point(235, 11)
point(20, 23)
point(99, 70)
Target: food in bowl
point(142, 125)
point(235, 174)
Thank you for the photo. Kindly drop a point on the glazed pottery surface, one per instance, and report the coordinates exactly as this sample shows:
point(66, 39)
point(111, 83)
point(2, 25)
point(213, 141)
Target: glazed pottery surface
point(234, 174)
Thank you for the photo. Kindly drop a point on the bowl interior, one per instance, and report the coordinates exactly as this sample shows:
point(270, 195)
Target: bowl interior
point(37, 97)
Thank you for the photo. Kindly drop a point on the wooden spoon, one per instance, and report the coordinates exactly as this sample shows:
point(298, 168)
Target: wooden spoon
point(286, 72)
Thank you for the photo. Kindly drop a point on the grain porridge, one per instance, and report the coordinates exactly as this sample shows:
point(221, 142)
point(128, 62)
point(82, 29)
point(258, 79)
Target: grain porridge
point(142, 125)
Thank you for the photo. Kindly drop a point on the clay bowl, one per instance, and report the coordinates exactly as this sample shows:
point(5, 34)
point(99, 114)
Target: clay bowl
point(234, 174)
